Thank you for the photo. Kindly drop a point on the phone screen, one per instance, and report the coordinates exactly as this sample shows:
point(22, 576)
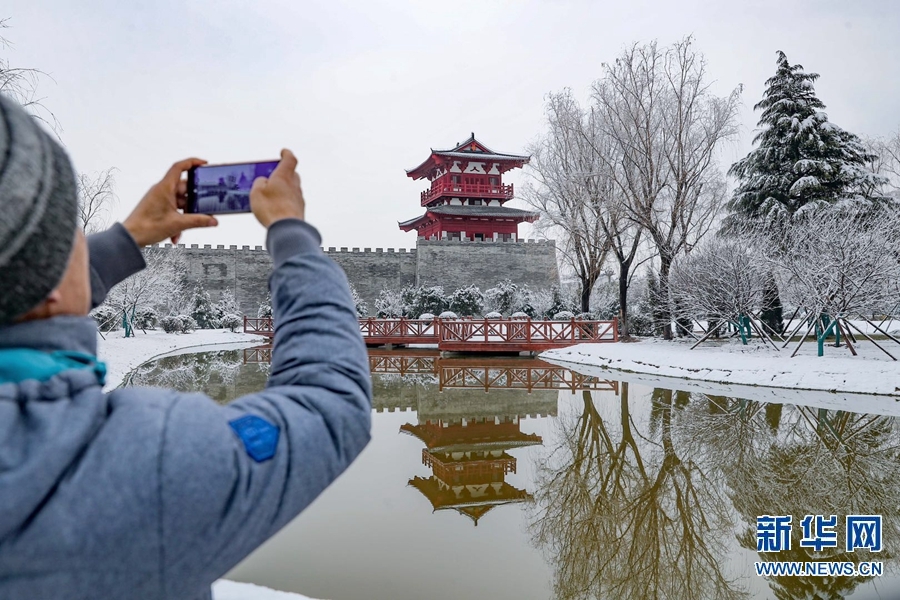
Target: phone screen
point(219, 189)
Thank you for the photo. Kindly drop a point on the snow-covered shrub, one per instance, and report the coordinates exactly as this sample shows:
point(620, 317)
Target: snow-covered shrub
point(502, 298)
point(389, 305)
point(203, 311)
point(585, 316)
point(187, 323)
point(564, 315)
point(426, 299)
point(426, 317)
point(362, 308)
point(265, 307)
point(232, 321)
point(146, 318)
point(466, 301)
point(178, 324)
point(448, 314)
point(170, 324)
point(108, 318)
point(493, 315)
point(520, 315)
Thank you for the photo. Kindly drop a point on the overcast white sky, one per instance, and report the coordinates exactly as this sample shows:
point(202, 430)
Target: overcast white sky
point(360, 90)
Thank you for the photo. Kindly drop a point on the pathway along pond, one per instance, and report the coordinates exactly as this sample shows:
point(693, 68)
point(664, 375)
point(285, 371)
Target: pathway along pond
point(491, 478)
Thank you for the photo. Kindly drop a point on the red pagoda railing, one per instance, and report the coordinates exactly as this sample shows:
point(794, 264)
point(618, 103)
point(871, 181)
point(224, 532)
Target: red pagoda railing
point(466, 190)
point(451, 470)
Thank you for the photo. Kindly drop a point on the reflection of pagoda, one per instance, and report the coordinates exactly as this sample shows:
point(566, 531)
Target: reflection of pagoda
point(469, 462)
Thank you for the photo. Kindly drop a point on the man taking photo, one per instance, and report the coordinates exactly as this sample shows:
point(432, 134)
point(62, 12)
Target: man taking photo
point(153, 493)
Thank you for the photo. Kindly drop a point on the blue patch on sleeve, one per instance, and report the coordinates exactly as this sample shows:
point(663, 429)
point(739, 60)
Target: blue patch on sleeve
point(260, 437)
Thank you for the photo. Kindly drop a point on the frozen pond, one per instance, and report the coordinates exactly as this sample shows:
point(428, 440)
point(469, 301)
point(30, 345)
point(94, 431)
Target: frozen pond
point(491, 478)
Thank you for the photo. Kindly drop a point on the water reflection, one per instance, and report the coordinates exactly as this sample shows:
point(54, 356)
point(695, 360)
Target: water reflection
point(626, 491)
point(629, 510)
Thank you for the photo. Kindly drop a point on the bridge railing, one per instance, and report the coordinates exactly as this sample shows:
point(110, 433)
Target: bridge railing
point(400, 330)
point(260, 326)
point(516, 332)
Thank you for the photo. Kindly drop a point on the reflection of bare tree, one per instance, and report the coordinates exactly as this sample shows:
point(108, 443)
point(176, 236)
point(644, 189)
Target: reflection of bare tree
point(625, 517)
point(799, 461)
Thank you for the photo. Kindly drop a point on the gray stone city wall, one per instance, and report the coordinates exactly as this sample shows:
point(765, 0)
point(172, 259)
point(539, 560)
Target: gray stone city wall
point(455, 264)
point(452, 264)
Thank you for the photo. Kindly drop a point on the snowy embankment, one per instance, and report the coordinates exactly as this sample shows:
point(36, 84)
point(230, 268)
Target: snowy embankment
point(122, 354)
point(872, 372)
point(235, 590)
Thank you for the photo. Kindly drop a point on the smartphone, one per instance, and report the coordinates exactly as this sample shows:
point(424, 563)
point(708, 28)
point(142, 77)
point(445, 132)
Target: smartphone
point(223, 189)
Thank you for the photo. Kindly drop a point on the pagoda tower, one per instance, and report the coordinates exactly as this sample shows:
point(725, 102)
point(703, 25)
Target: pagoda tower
point(467, 193)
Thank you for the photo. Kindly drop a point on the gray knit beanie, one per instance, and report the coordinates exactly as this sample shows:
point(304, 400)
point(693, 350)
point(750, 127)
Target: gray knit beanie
point(38, 208)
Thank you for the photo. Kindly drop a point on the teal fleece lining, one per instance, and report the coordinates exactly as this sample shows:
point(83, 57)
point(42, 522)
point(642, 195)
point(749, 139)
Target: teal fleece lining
point(20, 364)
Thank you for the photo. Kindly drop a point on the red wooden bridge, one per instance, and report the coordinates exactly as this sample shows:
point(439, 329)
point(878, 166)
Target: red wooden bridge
point(471, 335)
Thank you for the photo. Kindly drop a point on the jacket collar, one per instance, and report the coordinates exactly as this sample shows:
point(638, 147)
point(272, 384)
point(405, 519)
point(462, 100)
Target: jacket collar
point(66, 333)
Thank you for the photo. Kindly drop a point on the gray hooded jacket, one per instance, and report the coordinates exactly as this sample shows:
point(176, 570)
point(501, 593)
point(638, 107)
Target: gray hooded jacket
point(151, 493)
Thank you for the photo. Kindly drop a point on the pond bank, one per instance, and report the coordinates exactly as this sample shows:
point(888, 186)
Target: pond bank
point(872, 372)
point(122, 354)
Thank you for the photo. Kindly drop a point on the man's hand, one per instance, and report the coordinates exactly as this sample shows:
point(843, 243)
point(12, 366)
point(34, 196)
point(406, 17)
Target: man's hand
point(156, 217)
point(279, 196)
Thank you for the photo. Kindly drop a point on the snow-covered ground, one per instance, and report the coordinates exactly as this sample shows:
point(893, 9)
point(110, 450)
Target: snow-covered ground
point(872, 372)
point(235, 590)
point(122, 354)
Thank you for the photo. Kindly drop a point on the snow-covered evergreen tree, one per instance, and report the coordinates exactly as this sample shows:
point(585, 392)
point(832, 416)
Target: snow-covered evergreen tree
point(466, 301)
point(227, 305)
point(424, 300)
point(265, 307)
point(801, 158)
point(362, 307)
point(502, 298)
point(389, 304)
point(202, 309)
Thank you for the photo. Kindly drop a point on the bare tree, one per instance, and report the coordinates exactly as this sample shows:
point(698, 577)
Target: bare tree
point(840, 262)
point(568, 193)
point(96, 198)
point(159, 286)
point(721, 281)
point(21, 84)
point(666, 125)
point(886, 163)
